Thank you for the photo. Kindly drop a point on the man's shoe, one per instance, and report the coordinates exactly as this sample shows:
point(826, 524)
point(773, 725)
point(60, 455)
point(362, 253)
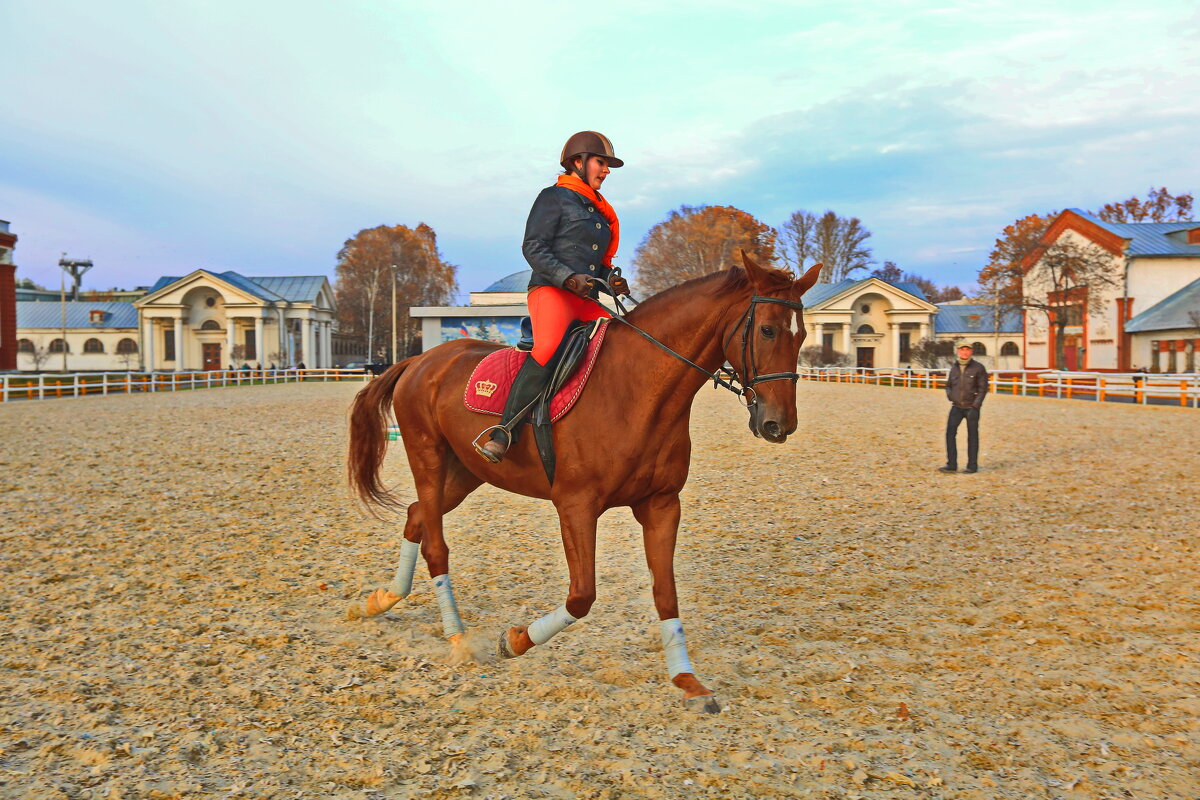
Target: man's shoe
point(947, 468)
point(971, 470)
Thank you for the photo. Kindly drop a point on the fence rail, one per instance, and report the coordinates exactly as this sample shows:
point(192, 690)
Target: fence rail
point(1136, 387)
point(42, 386)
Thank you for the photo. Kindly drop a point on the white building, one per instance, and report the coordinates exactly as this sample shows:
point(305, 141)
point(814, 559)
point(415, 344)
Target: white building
point(197, 322)
point(1143, 320)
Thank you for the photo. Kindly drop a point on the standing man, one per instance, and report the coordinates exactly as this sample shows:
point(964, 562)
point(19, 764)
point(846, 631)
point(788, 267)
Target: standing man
point(966, 386)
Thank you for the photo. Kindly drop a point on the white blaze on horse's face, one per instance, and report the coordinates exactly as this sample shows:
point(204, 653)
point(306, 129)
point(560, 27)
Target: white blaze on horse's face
point(794, 326)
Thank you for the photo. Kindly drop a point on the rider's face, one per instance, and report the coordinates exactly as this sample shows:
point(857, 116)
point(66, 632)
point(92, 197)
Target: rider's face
point(597, 171)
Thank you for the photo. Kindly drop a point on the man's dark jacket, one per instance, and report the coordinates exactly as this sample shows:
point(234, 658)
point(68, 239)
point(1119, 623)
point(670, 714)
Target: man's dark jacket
point(565, 234)
point(966, 386)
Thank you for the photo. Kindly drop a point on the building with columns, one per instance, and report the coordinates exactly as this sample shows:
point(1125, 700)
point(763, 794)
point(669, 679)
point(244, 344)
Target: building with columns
point(196, 322)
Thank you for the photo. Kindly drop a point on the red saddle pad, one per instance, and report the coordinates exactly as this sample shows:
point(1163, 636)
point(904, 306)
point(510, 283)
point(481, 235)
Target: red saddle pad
point(489, 384)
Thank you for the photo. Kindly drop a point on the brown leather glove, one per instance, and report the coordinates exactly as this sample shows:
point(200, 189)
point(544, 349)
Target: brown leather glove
point(578, 284)
point(619, 285)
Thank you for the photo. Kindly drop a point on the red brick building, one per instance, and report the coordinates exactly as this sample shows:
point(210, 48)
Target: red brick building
point(8, 299)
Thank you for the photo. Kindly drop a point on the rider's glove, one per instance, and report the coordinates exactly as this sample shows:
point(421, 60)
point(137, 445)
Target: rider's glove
point(619, 285)
point(578, 284)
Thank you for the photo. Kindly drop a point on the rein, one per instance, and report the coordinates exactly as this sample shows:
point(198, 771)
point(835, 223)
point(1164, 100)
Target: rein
point(747, 347)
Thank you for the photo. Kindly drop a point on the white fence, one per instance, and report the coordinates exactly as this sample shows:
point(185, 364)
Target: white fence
point(46, 385)
point(1137, 387)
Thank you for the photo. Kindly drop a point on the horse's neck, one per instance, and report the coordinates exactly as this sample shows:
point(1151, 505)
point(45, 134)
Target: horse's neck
point(691, 324)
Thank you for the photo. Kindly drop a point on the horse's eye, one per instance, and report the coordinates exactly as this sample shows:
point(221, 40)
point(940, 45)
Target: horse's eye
point(767, 331)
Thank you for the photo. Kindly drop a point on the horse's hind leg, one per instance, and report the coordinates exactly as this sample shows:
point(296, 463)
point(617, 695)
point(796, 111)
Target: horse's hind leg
point(457, 485)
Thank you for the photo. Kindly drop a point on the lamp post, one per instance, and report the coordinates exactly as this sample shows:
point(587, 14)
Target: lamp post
point(393, 313)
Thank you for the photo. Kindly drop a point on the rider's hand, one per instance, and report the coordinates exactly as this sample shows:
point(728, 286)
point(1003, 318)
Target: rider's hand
point(578, 284)
point(619, 285)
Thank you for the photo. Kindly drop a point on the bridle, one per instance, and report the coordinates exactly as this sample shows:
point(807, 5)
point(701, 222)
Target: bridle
point(730, 378)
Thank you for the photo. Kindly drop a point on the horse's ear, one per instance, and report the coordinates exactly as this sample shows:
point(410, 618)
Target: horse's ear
point(809, 278)
point(757, 275)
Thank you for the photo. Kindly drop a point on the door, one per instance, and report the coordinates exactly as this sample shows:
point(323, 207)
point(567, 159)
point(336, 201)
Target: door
point(866, 357)
point(212, 355)
point(1071, 353)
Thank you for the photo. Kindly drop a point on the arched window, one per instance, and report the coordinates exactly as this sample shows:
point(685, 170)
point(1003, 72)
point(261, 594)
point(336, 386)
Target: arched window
point(1010, 349)
point(210, 325)
point(979, 348)
point(865, 329)
point(24, 346)
point(93, 346)
point(126, 346)
point(59, 346)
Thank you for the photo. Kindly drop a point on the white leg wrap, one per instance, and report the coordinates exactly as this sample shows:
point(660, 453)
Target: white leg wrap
point(402, 583)
point(555, 622)
point(451, 622)
point(675, 647)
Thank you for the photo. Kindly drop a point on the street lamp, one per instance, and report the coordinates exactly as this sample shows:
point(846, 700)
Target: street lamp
point(393, 313)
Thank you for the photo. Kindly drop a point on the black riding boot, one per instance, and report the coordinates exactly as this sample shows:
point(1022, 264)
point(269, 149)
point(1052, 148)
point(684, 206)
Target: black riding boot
point(531, 381)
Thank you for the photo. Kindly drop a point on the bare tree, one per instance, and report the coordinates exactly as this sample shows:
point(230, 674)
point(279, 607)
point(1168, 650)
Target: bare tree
point(841, 246)
point(796, 245)
point(40, 354)
point(128, 359)
point(237, 353)
point(932, 353)
point(818, 356)
point(1159, 206)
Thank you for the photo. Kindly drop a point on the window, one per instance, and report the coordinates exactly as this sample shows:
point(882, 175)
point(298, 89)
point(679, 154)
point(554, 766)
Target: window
point(905, 346)
point(865, 308)
point(126, 346)
point(93, 346)
point(59, 346)
point(979, 348)
point(251, 350)
point(24, 346)
point(95, 316)
point(865, 329)
point(1010, 349)
point(1072, 314)
point(210, 301)
point(210, 325)
point(168, 345)
point(826, 346)
point(974, 322)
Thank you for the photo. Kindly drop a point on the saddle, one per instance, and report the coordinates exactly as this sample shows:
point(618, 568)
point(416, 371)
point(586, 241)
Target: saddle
point(489, 384)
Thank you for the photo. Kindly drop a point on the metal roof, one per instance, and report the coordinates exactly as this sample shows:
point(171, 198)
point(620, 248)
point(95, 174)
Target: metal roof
point(516, 282)
point(955, 318)
point(35, 314)
point(1150, 238)
point(297, 289)
point(1169, 314)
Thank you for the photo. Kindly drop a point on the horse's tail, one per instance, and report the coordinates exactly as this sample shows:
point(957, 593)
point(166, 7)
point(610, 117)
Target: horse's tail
point(369, 437)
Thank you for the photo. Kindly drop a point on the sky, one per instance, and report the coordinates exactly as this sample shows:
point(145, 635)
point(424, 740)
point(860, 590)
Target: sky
point(157, 138)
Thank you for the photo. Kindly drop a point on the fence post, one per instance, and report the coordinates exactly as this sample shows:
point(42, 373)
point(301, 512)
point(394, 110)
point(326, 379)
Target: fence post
point(1183, 393)
point(4, 397)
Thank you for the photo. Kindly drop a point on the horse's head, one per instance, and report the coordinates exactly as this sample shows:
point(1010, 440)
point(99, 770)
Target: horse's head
point(763, 345)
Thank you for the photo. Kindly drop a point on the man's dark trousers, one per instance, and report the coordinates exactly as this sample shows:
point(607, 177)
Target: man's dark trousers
point(957, 415)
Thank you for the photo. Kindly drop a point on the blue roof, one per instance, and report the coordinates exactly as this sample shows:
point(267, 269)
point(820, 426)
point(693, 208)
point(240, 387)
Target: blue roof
point(34, 314)
point(1150, 238)
point(821, 292)
point(294, 289)
point(1169, 314)
point(955, 318)
point(516, 282)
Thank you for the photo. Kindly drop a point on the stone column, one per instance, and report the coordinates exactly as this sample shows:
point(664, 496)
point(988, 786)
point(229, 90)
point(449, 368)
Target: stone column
point(924, 330)
point(258, 339)
point(306, 342)
point(894, 330)
point(230, 342)
point(179, 361)
point(148, 355)
point(328, 345)
point(846, 339)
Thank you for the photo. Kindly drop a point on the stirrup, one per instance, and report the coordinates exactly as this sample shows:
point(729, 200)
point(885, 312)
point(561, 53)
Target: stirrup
point(487, 432)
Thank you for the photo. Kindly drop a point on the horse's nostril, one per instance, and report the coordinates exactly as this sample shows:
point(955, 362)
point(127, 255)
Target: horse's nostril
point(771, 428)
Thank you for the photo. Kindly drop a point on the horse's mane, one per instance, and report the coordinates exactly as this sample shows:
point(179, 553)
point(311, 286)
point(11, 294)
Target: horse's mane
point(732, 280)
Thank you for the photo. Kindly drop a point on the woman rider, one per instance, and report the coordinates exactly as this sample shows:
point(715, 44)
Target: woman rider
point(570, 238)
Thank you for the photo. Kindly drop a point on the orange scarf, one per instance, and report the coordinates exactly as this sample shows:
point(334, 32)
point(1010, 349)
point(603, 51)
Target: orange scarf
point(576, 184)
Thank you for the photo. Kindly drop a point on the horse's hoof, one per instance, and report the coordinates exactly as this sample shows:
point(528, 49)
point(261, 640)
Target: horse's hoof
point(703, 704)
point(380, 601)
point(504, 647)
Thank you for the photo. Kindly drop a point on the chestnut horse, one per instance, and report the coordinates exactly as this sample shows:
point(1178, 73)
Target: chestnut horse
point(625, 443)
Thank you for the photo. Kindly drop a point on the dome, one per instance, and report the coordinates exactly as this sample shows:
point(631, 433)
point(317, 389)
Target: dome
point(516, 282)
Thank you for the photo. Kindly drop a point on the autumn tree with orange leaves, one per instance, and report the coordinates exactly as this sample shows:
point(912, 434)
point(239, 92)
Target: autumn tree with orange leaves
point(369, 263)
point(1159, 206)
point(697, 240)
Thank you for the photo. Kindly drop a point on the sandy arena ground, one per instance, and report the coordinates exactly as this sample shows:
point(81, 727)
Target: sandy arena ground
point(178, 569)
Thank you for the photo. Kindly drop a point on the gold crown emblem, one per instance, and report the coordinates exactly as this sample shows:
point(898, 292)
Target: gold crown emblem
point(484, 388)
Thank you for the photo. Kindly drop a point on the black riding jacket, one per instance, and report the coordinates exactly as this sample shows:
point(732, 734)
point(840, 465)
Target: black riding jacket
point(565, 234)
point(966, 387)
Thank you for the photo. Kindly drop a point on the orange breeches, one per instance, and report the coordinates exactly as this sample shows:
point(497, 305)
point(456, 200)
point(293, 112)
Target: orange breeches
point(551, 310)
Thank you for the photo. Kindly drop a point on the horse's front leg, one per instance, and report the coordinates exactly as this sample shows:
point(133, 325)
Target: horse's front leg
point(659, 517)
point(579, 541)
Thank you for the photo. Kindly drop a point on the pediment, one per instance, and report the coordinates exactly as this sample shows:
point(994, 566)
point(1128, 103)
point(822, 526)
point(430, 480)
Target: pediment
point(173, 293)
point(899, 299)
